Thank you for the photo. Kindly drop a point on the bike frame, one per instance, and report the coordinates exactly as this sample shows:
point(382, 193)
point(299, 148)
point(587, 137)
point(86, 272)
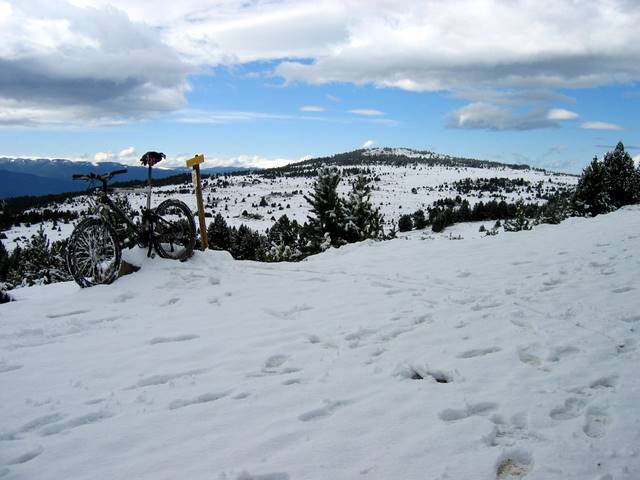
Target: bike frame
point(149, 216)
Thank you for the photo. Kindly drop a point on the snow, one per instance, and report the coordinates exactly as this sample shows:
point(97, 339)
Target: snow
point(513, 356)
point(392, 194)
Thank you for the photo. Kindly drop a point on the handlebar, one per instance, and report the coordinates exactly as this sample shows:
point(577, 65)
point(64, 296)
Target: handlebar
point(94, 176)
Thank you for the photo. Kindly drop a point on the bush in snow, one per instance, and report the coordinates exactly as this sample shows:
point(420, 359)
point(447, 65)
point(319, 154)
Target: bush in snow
point(38, 262)
point(520, 221)
point(283, 240)
point(608, 184)
point(405, 223)
point(363, 220)
point(419, 220)
point(219, 234)
point(4, 297)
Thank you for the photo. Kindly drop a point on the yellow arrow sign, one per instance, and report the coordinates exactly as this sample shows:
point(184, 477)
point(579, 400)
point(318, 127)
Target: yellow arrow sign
point(192, 162)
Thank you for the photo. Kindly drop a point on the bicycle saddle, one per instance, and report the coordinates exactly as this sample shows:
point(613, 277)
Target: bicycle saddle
point(151, 158)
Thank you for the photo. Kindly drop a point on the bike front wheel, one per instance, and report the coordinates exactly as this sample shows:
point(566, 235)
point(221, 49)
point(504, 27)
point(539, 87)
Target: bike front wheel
point(93, 253)
point(174, 231)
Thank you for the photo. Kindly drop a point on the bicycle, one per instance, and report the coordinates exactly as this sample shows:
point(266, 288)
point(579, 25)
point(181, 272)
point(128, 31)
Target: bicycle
point(94, 249)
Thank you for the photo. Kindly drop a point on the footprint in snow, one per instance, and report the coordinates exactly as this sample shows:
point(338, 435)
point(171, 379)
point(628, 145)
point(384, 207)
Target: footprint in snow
point(265, 476)
point(596, 422)
point(175, 338)
point(66, 314)
point(478, 352)
point(322, 412)
point(506, 433)
point(514, 465)
point(125, 297)
point(571, 409)
point(630, 318)
point(76, 422)
point(171, 301)
point(623, 289)
point(274, 361)
point(27, 456)
point(482, 408)
point(204, 398)
point(558, 353)
point(7, 367)
point(604, 382)
point(526, 356)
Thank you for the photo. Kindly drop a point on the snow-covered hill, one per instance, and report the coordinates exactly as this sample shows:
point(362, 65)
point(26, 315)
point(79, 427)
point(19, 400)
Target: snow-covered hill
point(512, 356)
point(397, 189)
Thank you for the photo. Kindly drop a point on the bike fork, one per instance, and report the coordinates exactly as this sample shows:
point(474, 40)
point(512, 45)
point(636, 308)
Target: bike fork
point(148, 222)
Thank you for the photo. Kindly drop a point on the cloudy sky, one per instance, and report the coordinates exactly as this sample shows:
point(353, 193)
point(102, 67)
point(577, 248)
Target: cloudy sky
point(263, 82)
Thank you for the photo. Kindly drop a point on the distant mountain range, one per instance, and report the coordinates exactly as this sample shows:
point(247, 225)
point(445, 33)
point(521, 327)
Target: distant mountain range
point(21, 176)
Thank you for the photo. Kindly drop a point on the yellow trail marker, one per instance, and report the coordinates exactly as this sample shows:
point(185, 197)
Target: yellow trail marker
point(194, 163)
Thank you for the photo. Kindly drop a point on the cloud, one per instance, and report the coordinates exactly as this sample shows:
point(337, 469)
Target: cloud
point(249, 161)
point(368, 144)
point(600, 126)
point(486, 116)
point(311, 108)
point(61, 64)
point(561, 114)
point(126, 156)
point(366, 112)
point(109, 61)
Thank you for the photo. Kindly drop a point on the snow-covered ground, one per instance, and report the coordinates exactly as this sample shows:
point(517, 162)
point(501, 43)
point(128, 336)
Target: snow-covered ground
point(392, 194)
point(512, 356)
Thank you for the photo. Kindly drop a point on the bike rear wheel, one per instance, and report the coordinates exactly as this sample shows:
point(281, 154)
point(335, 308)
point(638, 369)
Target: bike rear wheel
point(174, 231)
point(93, 253)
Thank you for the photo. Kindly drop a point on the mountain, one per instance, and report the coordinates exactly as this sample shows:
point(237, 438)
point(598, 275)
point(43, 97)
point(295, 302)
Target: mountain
point(21, 176)
point(15, 184)
point(388, 156)
point(505, 357)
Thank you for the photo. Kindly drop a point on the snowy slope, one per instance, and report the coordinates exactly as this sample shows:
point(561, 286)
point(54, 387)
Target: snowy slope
point(512, 356)
point(392, 194)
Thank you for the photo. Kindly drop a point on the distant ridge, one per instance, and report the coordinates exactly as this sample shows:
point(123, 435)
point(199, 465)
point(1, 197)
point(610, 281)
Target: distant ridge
point(388, 156)
point(23, 176)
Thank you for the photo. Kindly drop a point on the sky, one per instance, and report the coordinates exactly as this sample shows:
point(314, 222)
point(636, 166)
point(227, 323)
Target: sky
point(267, 82)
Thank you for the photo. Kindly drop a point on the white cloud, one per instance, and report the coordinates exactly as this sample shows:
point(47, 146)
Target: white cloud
point(249, 161)
point(126, 156)
point(601, 126)
point(561, 114)
point(368, 144)
point(311, 108)
point(108, 61)
point(492, 117)
point(366, 112)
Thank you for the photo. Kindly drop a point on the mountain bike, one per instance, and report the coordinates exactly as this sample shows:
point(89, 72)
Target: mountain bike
point(94, 249)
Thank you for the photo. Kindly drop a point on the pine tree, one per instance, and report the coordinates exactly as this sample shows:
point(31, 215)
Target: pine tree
point(4, 263)
point(520, 221)
point(38, 262)
point(283, 240)
point(405, 224)
point(219, 234)
point(327, 216)
point(248, 244)
point(363, 220)
point(592, 193)
point(622, 179)
point(419, 220)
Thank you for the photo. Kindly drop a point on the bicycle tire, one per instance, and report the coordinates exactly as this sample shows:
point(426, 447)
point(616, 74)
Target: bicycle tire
point(174, 231)
point(94, 253)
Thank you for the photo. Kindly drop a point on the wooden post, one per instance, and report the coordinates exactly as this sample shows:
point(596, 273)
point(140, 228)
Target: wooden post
point(194, 163)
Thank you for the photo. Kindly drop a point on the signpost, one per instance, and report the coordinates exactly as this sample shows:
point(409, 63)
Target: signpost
point(194, 163)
